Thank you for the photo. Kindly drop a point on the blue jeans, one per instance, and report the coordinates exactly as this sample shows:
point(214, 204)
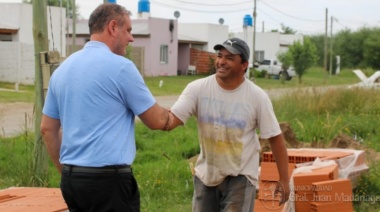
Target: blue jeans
point(234, 194)
point(94, 192)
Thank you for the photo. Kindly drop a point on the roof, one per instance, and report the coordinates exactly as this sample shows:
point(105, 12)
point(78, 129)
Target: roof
point(4, 28)
point(188, 39)
point(20, 199)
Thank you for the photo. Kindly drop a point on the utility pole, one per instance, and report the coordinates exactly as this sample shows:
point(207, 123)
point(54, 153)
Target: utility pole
point(74, 33)
point(40, 35)
point(331, 45)
point(325, 50)
point(254, 34)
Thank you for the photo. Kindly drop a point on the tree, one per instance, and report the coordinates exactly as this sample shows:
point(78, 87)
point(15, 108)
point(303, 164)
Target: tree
point(287, 30)
point(318, 41)
point(65, 3)
point(349, 45)
point(286, 61)
point(358, 49)
point(371, 50)
point(304, 56)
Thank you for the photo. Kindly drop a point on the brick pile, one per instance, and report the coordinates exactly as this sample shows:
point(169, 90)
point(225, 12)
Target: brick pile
point(316, 188)
point(20, 199)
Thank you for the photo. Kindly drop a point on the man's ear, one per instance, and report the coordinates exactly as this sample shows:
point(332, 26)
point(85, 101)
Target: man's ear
point(112, 25)
point(245, 65)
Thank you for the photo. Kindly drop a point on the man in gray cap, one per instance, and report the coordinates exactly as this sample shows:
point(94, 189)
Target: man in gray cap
point(229, 109)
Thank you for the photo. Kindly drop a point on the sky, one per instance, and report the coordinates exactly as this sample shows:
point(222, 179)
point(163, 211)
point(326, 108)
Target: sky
point(303, 16)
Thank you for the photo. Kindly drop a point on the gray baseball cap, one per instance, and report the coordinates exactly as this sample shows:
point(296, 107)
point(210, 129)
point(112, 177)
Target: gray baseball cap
point(235, 46)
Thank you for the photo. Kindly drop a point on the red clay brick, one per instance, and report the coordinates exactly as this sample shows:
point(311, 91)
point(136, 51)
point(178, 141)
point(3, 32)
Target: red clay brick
point(267, 206)
point(331, 207)
point(32, 199)
point(269, 172)
point(266, 191)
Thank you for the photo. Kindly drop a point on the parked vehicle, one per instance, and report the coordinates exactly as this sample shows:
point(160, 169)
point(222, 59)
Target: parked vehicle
point(274, 68)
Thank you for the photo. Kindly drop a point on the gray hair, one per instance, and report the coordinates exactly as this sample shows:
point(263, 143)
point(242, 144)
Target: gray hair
point(105, 13)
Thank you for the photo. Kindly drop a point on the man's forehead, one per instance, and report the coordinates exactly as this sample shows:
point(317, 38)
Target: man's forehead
point(225, 52)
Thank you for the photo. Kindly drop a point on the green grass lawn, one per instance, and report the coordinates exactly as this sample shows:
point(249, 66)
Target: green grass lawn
point(161, 166)
point(173, 85)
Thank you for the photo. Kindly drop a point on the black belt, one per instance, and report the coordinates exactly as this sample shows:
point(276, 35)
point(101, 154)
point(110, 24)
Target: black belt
point(98, 170)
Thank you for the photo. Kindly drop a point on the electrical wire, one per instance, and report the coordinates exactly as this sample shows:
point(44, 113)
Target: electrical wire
point(215, 5)
point(230, 10)
point(202, 11)
point(291, 16)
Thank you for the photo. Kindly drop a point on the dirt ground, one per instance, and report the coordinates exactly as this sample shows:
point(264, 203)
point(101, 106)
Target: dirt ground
point(15, 118)
point(341, 141)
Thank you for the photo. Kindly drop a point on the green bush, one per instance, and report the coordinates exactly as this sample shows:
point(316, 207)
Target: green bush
point(367, 190)
point(259, 74)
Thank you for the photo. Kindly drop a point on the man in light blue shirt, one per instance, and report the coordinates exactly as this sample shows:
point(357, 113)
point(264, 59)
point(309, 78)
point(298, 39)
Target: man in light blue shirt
point(89, 114)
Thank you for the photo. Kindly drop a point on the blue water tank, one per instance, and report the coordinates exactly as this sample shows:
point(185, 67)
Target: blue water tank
point(247, 21)
point(144, 6)
point(112, 1)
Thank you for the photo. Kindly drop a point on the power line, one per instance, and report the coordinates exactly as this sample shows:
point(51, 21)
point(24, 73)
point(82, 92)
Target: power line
point(291, 15)
point(269, 16)
point(216, 5)
point(202, 11)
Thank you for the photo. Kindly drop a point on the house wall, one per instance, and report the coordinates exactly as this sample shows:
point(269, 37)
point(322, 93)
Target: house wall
point(17, 62)
point(144, 43)
point(82, 35)
point(211, 33)
point(216, 34)
point(21, 16)
point(159, 35)
point(17, 57)
point(269, 42)
point(10, 16)
point(272, 43)
point(201, 59)
point(183, 58)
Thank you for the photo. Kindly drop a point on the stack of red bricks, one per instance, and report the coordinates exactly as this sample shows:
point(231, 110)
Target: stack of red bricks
point(21, 199)
point(267, 200)
point(332, 195)
point(318, 190)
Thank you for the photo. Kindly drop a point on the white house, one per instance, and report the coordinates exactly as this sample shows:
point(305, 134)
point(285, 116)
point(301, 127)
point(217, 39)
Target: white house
point(17, 43)
point(162, 46)
point(268, 44)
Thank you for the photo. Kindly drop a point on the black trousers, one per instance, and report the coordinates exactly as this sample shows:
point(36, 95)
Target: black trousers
point(100, 192)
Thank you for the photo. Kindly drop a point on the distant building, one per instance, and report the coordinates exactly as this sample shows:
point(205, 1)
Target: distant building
point(17, 42)
point(161, 47)
point(268, 44)
point(164, 47)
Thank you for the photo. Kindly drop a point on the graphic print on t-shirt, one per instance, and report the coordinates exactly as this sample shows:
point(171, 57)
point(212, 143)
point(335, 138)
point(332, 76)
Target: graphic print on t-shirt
point(221, 132)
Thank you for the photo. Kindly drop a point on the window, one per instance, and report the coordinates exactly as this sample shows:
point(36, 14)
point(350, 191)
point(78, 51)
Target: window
point(259, 55)
point(164, 54)
point(265, 62)
point(5, 37)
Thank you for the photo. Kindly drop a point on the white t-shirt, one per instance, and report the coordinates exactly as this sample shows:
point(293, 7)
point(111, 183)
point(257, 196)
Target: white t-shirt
point(227, 123)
